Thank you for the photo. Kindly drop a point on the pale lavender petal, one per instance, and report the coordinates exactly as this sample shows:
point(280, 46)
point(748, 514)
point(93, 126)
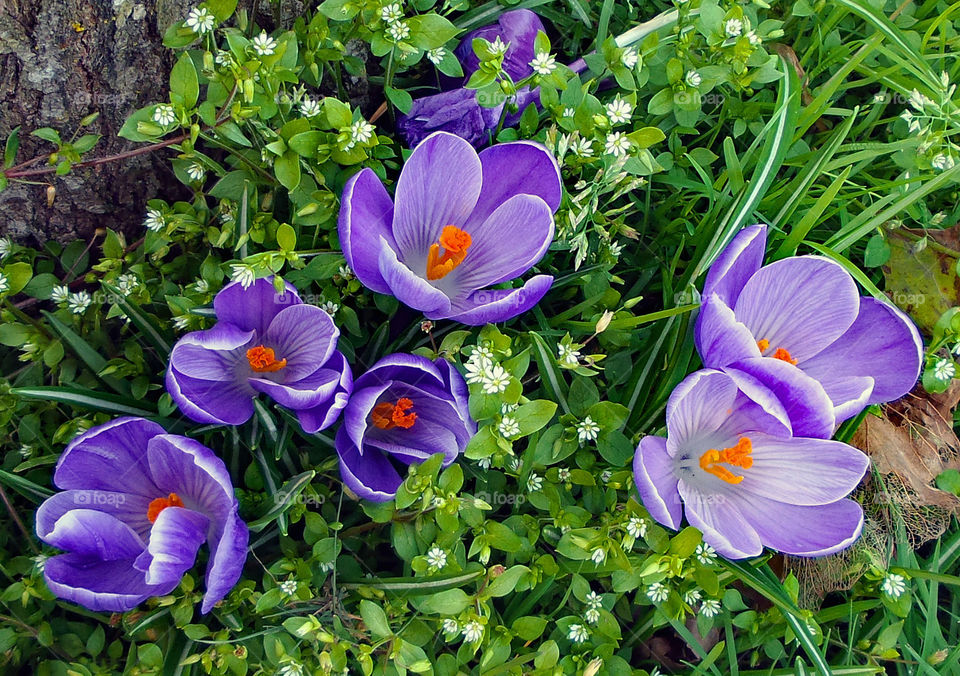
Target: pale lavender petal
point(186, 467)
point(490, 306)
point(323, 415)
point(719, 337)
point(415, 444)
point(253, 308)
point(212, 354)
point(228, 553)
point(741, 258)
point(305, 336)
point(306, 393)
point(800, 304)
point(101, 586)
point(110, 457)
point(408, 287)
point(722, 524)
point(370, 476)
point(174, 542)
point(94, 534)
point(366, 215)
point(804, 531)
point(129, 508)
point(210, 401)
point(438, 186)
point(697, 408)
point(653, 473)
point(755, 409)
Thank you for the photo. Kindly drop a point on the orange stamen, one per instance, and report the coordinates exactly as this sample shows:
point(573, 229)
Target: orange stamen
point(386, 416)
point(159, 504)
point(780, 353)
point(455, 243)
point(738, 456)
point(263, 360)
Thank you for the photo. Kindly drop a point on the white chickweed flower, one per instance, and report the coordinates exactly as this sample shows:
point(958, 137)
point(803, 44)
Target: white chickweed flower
point(567, 355)
point(938, 218)
point(181, 323)
point(692, 78)
point(5, 247)
point(942, 162)
point(583, 147)
point(617, 144)
point(79, 302)
point(243, 274)
point(309, 107)
point(289, 587)
point(472, 631)
point(264, 45)
point(361, 132)
point(563, 475)
point(164, 114)
point(435, 56)
point(543, 63)
point(705, 554)
point(496, 380)
point(499, 47)
point(290, 668)
point(398, 31)
point(592, 615)
point(509, 427)
point(199, 20)
point(944, 369)
point(196, 171)
point(593, 600)
point(691, 596)
point(637, 527)
point(507, 409)
point(436, 558)
point(127, 283)
point(893, 585)
point(60, 293)
point(619, 111)
point(754, 38)
point(629, 58)
point(598, 555)
point(4, 283)
point(330, 307)
point(710, 608)
point(451, 626)
point(201, 286)
point(587, 430)
point(534, 482)
point(605, 476)
point(154, 220)
point(477, 371)
point(733, 28)
point(392, 12)
point(578, 633)
point(658, 592)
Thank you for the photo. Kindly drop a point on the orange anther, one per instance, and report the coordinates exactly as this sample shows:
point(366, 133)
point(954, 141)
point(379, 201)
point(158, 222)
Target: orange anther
point(737, 455)
point(386, 416)
point(159, 504)
point(455, 243)
point(263, 360)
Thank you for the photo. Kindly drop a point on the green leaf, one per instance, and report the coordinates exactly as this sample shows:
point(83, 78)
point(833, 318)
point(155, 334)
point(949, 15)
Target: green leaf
point(47, 134)
point(449, 602)
point(287, 169)
point(286, 237)
point(337, 112)
point(221, 9)
point(399, 98)
point(339, 10)
point(429, 31)
point(284, 498)
point(184, 83)
point(18, 275)
point(131, 126)
point(534, 415)
point(375, 619)
point(80, 398)
point(148, 329)
point(11, 147)
point(505, 583)
point(90, 356)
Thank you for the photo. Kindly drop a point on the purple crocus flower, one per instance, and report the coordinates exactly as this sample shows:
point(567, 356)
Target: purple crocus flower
point(262, 342)
point(802, 319)
point(458, 111)
point(732, 466)
point(404, 409)
point(136, 505)
point(459, 222)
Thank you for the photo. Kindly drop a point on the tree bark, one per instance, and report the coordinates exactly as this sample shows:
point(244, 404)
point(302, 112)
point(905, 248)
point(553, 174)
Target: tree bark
point(61, 60)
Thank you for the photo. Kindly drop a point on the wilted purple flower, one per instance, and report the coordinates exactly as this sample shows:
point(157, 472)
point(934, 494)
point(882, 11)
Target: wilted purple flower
point(458, 111)
point(731, 465)
point(136, 505)
point(802, 318)
point(262, 342)
point(460, 222)
point(404, 409)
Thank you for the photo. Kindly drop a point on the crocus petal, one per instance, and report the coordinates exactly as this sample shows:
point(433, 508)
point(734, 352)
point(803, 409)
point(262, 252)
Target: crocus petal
point(755, 409)
point(228, 553)
point(110, 457)
point(800, 304)
point(517, 168)
point(174, 542)
point(736, 264)
point(210, 355)
point(719, 337)
point(210, 401)
point(370, 476)
point(309, 392)
point(321, 416)
point(457, 387)
point(698, 406)
point(408, 287)
point(502, 251)
point(416, 444)
point(253, 308)
point(438, 186)
point(93, 534)
point(356, 415)
point(366, 215)
point(722, 524)
point(490, 306)
point(101, 586)
point(804, 531)
point(129, 508)
point(456, 111)
point(186, 467)
point(882, 344)
point(806, 402)
point(305, 336)
point(656, 481)
point(410, 368)
point(802, 471)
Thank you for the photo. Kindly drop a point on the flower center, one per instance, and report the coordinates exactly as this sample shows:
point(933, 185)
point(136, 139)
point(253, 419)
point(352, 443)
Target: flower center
point(780, 353)
point(386, 416)
point(455, 243)
point(738, 456)
point(262, 359)
point(159, 504)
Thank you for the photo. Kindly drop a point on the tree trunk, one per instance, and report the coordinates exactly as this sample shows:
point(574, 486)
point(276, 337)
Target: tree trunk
point(61, 60)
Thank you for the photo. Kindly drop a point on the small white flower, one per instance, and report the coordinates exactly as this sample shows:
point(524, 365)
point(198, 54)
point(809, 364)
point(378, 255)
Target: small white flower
point(79, 302)
point(243, 274)
point(615, 249)
point(693, 78)
point(154, 220)
point(263, 44)
point(196, 171)
point(4, 283)
point(436, 56)
point(288, 587)
point(181, 323)
point(472, 631)
point(918, 100)
point(436, 558)
point(543, 63)
point(60, 293)
point(587, 430)
point(619, 111)
point(392, 12)
point(509, 427)
point(578, 633)
point(398, 31)
point(733, 28)
point(534, 482)
point(605, 476)
point(568, 112)
point(705, 554)
point(583, 147)
point(658, 592)
point(223, 58)
point(944, 369)
point(201, 286)
point(499, 47)
point(592, 615)
point(637, 527)
point(593, 600)
point(691, 596)
point(40, 561)
point(345, 272)
point(290, 668)
point(563, 475)
point(513, 463)
point(938, 218)
point(507, 409)
point(893, 585)
point(754, 38)
point(496, 380)
point(199, 20)
point(567, 355)
point(942, 162)
point(309, 107)
point(629, 58)
point(5, 247)
point(325, 567)
point(330, 307)
point(451, 626)
point(477, 372)
point(710, 608)
point(127, 284)
point(164, 114)
point(617, 144)
point(361, 131)
point(598, 555)
point(484, 462)
point(482, 355)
